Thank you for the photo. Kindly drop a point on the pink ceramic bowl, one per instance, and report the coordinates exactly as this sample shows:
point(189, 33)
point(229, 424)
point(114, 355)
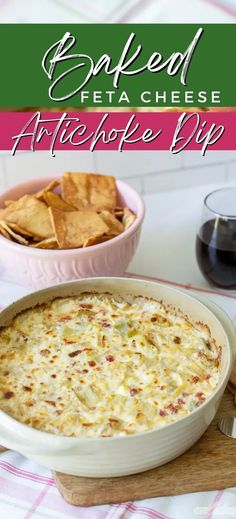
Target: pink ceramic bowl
point(38, 268)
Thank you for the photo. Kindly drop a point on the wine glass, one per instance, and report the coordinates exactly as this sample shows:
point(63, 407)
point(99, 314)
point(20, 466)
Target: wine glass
point(216, 238)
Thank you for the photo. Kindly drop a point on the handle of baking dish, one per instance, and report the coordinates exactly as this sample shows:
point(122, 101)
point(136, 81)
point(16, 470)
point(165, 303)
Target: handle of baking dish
point(7, 439)
point(14, 441)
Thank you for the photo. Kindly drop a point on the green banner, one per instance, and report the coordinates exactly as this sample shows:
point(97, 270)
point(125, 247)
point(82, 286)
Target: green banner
point(117, 65)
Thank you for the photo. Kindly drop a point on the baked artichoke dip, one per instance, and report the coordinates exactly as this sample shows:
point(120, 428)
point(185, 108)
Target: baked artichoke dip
point(97, 365)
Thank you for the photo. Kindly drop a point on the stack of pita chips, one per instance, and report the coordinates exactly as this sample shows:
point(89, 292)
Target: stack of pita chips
point(78, 211)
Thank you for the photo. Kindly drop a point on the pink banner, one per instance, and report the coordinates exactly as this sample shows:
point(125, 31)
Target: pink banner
point(122, 131)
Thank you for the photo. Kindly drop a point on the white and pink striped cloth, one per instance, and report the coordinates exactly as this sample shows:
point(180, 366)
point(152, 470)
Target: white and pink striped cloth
point(27, 490)
point(117, 11)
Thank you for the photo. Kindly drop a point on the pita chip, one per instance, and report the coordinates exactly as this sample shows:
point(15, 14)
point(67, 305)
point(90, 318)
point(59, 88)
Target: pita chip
point(49, 187)
point(115, 227)
point(14, 235)
point(30, 214)
point(95, 241)
point(15, 227)
point(53, 200)
point(128, 218)
point(73, 228)
point(4, 233)
point(89, 191)
point(119, 212)
point(48, 243)
point(8, 202)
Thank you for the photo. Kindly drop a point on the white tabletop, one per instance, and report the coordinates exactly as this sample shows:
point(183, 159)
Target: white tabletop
point(167, 245)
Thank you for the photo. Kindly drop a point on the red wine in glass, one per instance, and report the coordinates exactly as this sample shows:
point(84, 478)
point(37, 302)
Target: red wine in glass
point(216, 239)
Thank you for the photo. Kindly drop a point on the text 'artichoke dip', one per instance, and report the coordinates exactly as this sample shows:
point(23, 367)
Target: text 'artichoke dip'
point(101, 365)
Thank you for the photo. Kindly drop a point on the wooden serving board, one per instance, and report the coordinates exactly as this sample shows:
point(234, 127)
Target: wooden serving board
point(209, 465)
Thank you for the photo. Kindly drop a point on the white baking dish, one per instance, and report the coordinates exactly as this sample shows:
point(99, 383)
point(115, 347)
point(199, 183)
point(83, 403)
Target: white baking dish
point(106, 457)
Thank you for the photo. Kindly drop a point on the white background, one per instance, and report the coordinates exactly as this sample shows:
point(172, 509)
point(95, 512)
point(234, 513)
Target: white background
point(148, 172)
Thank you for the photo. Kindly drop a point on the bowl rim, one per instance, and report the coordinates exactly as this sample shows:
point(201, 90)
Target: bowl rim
point(82, 250)
point(75, 440)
